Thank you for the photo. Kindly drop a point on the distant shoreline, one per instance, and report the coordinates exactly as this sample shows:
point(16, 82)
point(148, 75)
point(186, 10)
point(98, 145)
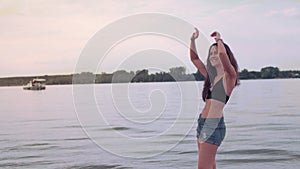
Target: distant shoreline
point(122, 76)
point(2, 86)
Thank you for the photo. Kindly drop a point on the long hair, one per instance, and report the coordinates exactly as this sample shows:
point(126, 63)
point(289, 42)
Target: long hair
point(212, 72)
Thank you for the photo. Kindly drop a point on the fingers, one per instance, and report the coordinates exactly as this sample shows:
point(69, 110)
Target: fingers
point(195, 34)
point(214, 34)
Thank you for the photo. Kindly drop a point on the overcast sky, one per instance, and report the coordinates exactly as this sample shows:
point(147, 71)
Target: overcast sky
point(47, 36)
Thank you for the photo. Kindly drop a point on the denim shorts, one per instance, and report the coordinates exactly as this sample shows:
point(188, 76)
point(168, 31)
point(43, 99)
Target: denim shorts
point(211, 130)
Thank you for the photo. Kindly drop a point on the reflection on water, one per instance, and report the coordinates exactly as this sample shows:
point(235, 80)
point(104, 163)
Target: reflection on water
point(41, 129)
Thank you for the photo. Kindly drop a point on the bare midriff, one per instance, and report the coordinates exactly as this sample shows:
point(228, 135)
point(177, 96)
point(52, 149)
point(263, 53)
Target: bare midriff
point(212, 109)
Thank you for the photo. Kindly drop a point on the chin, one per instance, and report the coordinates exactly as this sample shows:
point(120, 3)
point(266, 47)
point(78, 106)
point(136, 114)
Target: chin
point(214, 65)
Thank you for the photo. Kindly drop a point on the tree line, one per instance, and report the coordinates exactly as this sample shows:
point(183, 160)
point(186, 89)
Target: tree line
point(269, 72)
point(122, 76)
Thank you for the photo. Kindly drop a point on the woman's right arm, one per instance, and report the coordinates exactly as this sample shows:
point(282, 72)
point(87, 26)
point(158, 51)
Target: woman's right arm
point(194, 55)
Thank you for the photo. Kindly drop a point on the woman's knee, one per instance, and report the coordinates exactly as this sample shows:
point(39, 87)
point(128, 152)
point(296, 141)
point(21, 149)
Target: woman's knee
point(206, 166)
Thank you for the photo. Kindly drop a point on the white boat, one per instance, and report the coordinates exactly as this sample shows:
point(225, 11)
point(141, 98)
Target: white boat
point(36, 84)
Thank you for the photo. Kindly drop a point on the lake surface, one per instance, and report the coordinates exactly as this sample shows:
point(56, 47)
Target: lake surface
point(147, 126)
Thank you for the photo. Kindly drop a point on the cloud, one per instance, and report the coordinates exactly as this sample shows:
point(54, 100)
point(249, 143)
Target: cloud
point(44, 33)
point(288, 12)
point(258, 39)
point(43, 37)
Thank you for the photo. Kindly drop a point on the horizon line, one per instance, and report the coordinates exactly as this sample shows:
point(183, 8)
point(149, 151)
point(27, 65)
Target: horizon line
point(72, 73)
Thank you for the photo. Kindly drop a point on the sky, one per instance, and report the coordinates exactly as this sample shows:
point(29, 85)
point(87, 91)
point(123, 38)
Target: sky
point(47, 37)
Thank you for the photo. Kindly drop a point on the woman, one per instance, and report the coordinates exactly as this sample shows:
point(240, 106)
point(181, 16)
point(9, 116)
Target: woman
point(221, 76)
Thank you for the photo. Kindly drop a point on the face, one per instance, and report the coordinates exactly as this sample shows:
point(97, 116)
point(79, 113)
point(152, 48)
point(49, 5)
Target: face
point(214, 57)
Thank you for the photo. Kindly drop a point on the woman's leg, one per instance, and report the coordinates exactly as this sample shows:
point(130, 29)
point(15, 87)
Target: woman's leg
point(199, 147)
point(206, 155)
point(215, 165)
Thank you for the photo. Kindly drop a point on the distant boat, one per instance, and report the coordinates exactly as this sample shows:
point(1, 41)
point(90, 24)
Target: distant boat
point(36, 84)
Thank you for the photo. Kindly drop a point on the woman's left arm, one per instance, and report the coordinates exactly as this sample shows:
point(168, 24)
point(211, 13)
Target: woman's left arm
point(223, 56)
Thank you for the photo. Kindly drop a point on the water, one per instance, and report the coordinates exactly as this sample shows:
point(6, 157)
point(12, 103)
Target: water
point(146, 125)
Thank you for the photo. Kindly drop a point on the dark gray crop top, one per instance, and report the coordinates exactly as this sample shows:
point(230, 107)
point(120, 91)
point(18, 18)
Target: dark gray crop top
point(218, 92)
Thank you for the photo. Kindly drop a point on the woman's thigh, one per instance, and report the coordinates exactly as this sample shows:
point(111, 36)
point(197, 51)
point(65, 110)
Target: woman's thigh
point(207, 154)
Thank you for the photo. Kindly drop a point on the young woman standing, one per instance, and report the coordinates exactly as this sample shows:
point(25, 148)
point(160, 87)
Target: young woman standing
point(221, 76)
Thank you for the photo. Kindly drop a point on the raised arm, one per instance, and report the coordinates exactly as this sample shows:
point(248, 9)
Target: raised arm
point(194, 55)
point(228, 68)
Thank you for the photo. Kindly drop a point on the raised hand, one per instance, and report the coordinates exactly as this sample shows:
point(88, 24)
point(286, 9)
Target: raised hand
point(195, 34)
point(216, 35)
